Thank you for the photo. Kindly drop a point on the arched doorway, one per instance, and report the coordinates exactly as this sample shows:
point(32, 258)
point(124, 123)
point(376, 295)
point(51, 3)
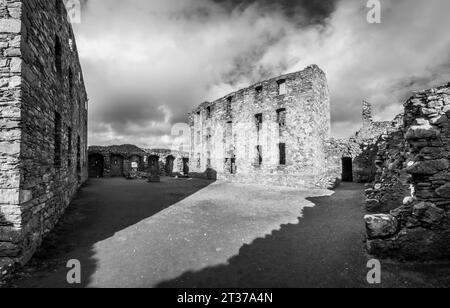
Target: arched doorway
point(136, 162)
point(153, 169)
point(96, 165)
point(116, 165)
point(169, 165)
point(185, 166)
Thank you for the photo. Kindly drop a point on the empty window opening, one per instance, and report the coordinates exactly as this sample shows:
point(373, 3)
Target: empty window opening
point(281, 117)
point(282, 153)
point(199, 161)
point(70, 83)
point(282, 87)
point(208, 160)
point(208, 112)
point(69, 147)
point(259, 121)
point(259, 157)
point(58, 6)
point(229, 103)
point(233, 166)
point(258, 90)
point(57, 140)
point(58, 57)
point(79, 157)
point(347, 169)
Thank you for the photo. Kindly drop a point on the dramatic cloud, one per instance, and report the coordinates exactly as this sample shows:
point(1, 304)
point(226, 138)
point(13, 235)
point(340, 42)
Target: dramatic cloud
point(147, 63)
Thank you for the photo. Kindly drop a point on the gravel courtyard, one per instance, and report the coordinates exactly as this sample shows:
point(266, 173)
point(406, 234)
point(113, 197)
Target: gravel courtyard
point(197, 233)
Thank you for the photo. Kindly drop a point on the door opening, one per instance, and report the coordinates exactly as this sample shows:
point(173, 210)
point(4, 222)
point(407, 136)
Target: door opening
point(347, 169)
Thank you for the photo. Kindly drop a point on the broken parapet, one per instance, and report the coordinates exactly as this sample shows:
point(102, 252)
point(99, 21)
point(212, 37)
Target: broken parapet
point(423, 221)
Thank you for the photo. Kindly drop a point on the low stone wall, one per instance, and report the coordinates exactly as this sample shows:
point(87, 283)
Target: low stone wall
point(420, 228)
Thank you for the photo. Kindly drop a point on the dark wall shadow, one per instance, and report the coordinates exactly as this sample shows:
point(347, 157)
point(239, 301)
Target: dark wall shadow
point(325, 249)
point(102, 208)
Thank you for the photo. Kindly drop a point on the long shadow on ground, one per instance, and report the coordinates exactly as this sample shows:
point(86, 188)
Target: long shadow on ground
point(101, 209)
point(325, 249)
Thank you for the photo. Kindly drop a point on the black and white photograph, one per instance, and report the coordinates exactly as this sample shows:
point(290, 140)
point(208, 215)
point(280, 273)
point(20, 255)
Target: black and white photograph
point(204, 146)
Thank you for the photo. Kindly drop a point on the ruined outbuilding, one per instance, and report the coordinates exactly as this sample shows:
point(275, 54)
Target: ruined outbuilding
point(43, 128)
point(131, 161)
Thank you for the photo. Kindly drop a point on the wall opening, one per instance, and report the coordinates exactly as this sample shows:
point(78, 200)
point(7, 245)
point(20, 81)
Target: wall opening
point(281, 117)
point(282, 87)
point(185, 166)
point(70, 82)
point(57, 140)
point(347, 169)
point(96, 165)
point(169, 165)
point(259, 157)
point(69, 146)
point(58, 57)
point(116, 165)
point(208, 112)
point(282, 154)
point(258, 90)
point(259, 121)
point(79, 158)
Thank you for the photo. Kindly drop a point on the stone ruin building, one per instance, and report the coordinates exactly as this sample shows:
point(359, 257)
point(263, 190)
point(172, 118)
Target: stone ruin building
point(131, 161)
point(43, 124)
point(412, 184)
point(273, 132)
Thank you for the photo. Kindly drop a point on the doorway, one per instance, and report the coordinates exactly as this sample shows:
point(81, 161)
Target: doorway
point(347, 169)
point(116, 165)
point(96, 164)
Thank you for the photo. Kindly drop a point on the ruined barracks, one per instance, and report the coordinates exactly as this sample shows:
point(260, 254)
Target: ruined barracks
point(273, 132)
point(124, 160)
point(43, 123)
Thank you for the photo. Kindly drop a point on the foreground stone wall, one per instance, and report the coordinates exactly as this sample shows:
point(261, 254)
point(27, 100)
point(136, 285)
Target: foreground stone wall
point(44, 104)
point(273, 132)
point(420, 228)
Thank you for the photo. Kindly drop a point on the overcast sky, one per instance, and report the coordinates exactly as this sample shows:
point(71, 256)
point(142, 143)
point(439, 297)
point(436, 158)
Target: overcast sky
point(147, 63)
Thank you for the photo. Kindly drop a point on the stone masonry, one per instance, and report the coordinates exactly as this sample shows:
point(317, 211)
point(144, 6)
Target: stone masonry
point(273, 132)
point(419, 228)
point(43, 124)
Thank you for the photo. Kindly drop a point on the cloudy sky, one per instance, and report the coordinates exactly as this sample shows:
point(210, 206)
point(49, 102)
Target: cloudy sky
point(147, 63)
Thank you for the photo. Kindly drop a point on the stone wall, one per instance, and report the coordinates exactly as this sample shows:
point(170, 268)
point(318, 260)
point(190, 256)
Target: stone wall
point(420, 228)
point(43, 133)
point(273, 132)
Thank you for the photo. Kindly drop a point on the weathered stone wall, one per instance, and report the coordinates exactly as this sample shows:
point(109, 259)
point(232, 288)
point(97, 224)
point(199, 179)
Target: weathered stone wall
point(44, 123)
point(420, 228)
point(391, 183)
point(292, 110)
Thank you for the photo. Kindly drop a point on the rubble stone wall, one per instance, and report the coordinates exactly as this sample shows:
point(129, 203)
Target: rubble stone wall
point(43, 133)
point(419, 229)
point(273, 132)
